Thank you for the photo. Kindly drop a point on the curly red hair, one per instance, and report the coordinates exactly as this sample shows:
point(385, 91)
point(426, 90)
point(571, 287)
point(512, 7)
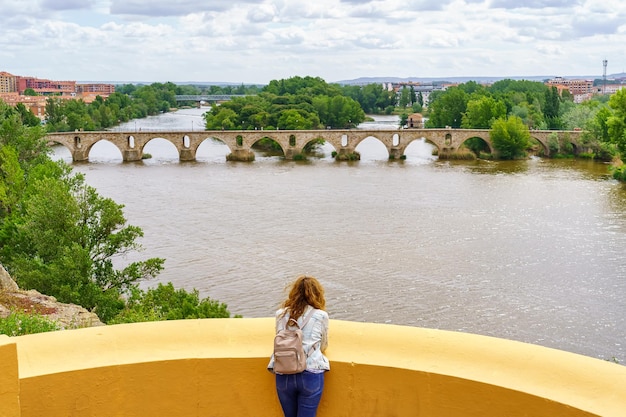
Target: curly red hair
point(305, 290)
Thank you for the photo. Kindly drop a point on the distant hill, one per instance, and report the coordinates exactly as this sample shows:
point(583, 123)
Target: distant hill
point(454, 80)
point(377, 80)
point(219, 83)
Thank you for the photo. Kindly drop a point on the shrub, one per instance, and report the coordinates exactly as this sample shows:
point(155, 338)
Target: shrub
point(460, 155)
point(166, 303)
point(619, 173)
point(354, 156)
point(18, 323)
point(586, 155)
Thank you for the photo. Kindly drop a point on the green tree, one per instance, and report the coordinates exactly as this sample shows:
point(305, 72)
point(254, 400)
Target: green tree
point(599, 125)
point(292, 119)
point(27, 141)
point(616, 122)
point(167, 303)
point(338, 111)
point(481, 112)
point(551, 108)
point(76, 115)
point(447, 108)
point(65, 239)
point(55, 116)
point(405, 97)
point(27, 116)
point(372, 98)
point(530, 114)
point(413, 96)
point(579, 116)
point(221, 118)
point(404, 118)
point(510, 137)
point(12, 181)
point(30, 92)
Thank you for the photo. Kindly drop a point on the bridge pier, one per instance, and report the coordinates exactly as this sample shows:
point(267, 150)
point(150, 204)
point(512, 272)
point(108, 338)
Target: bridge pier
point(395, 154)
point(80, 155)
point(187, 155)
point(242, 155)
point(347, 154)
point(131, 155)
point(290, 153)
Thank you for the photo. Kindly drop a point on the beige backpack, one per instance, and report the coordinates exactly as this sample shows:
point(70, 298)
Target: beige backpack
point(289, 355)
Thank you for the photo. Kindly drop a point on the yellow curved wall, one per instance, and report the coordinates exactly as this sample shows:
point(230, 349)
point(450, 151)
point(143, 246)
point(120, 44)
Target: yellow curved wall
point(216, 367)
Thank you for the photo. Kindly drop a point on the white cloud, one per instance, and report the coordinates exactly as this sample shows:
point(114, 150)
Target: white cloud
point(260, 40)
point(67, 4)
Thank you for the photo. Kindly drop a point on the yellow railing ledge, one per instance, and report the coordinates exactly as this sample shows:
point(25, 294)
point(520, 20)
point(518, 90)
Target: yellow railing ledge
point(217, 367)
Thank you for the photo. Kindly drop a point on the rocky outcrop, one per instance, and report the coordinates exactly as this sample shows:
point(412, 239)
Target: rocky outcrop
point(69, 316)
point(6, 282)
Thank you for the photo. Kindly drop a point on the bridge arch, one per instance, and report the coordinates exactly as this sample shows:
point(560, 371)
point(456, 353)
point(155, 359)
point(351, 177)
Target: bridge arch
point(57, 141)
point(281, 144)
point(158, 142)
point(203, 146)
point(421, 148)
point(309, 144)
point(440, 141)
point(78, 146)
point(217, 139)
point(371, 143)
point(541, 141)
point(104, 144)
point(486, 143)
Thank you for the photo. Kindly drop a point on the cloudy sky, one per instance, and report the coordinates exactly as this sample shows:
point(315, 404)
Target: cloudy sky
point(255, 41)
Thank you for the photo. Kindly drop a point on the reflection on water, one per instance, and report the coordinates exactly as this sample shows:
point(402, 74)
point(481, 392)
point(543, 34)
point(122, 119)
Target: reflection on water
point(526, 250)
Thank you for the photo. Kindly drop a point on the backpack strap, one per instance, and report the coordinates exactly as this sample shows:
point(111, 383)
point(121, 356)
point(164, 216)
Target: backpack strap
point(304, 322)
point(307, 318)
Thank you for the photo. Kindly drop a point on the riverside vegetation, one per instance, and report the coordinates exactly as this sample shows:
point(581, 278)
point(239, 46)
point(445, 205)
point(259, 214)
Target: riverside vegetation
point(57, 235)
point(60, 237)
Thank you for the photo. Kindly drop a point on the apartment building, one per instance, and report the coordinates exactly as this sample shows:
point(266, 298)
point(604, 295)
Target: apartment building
point(8, 82)
point(575, 86)
point(36, 104)
point(102, 89)
point(12, 89)
point(46, 87)
point(611, 88)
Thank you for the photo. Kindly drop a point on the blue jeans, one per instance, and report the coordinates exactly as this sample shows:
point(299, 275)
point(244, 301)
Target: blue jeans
point(300, 394)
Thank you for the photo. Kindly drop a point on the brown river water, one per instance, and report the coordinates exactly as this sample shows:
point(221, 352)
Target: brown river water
point(528, 250)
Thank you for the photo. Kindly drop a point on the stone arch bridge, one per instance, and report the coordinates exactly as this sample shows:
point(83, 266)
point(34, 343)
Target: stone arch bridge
point(292, 142)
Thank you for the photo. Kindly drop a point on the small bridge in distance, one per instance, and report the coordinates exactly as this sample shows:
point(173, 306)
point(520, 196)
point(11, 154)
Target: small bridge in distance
point(292, 142)
point(209, 98)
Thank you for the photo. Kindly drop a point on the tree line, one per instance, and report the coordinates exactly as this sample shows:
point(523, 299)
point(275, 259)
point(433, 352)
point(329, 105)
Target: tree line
point(129, 101)
point(512, 108)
